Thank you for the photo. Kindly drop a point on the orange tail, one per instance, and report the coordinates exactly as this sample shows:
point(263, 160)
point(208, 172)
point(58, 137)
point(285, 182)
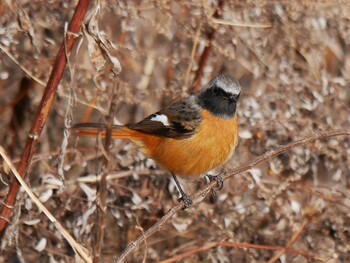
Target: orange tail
point(90, 129)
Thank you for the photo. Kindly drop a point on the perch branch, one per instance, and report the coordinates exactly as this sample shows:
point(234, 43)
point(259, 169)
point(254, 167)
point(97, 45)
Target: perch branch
point(206, 189)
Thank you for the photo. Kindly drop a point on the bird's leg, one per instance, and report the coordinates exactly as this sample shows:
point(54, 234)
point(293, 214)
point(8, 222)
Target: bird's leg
point(184, 197)
point(218, 179)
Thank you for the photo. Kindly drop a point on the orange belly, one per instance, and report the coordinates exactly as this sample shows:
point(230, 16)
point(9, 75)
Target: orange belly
point(211, 146)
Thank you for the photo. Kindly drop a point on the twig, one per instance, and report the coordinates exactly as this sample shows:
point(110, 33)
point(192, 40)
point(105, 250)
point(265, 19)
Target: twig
point(241, 24)
point(102, 186)
point(43, 112)
point(8, 53)
point(92, 104)
point(212, 245)
point(290, 242)
point(206, 189)
point(112, 176)
point(76, 247)
point(189, 69)
point(205, 55)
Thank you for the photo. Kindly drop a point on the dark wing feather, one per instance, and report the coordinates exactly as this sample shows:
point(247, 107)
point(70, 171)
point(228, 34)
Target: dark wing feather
point(183, 118)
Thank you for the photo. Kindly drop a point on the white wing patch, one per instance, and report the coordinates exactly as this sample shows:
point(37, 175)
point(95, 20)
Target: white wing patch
point(161, 118)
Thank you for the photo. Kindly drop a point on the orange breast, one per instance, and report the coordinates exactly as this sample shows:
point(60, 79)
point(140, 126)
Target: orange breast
point(211, 146)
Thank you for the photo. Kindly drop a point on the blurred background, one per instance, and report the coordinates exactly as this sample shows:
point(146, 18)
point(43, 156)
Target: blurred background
point(292, 59)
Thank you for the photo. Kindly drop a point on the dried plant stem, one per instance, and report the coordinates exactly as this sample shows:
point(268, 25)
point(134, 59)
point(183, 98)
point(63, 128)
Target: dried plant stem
point(102, 186)
point(8, 53)
point(190, 66)
point(57, 224)
point(241, 24)
point(206, 189)
point(213, 245)
point(44, 109)
point(293, 239)
point(205, 55)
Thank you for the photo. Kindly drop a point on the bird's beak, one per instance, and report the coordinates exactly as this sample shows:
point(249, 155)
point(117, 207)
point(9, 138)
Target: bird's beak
point(233, 97)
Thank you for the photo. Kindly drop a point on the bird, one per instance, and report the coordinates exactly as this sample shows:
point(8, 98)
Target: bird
point(189, 137)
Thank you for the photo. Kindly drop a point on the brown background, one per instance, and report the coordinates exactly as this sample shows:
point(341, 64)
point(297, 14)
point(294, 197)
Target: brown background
point(292, 59)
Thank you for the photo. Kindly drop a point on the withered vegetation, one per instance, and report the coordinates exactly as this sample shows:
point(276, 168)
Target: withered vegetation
point(292, 59)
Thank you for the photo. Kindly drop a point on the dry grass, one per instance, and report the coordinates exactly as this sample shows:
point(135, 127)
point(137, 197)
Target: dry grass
point(292, 59)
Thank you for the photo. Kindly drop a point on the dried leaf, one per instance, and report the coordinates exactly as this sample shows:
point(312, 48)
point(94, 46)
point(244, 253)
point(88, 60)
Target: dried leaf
point(41, 245)
point(25, 24)
point(99, 45)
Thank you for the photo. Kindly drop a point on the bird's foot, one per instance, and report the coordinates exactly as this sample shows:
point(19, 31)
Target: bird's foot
point(186, 199)
point(219, 179)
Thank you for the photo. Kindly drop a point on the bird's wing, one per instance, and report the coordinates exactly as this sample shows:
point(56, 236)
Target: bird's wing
point(178, 121)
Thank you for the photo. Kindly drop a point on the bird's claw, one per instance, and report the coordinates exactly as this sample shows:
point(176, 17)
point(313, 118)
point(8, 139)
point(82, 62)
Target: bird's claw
point(187, 201)
point(218, 179)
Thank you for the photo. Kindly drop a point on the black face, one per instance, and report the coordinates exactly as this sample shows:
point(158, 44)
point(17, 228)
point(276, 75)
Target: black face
point(220, 96)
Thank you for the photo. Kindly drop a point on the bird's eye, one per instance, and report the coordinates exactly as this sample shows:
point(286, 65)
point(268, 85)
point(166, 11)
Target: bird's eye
point(216, 90)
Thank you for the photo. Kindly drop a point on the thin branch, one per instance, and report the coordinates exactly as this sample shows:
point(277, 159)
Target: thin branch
point(241, 24)
point(190, 65)
point(92, 104)
point(7, 52)
point(76, 247)
point(102, 186)
point(206, 189)
point(206, 52)
point(43, 111)
point(293, 239)
point(213, 245)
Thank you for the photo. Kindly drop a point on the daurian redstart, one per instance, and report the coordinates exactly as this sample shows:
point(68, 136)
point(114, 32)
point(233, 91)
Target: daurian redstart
point(189, 137)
